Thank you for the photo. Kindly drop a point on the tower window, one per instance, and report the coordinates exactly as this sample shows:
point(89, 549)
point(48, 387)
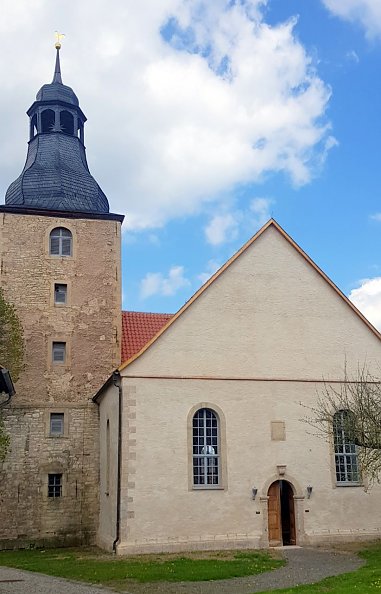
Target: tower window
point(67, 122)
point(57, 424)
point(33, 126)
point(61, 241)
point(81, 131)
point(60, 293)
point(59, 352)
point(47, 120)
point(54, 485)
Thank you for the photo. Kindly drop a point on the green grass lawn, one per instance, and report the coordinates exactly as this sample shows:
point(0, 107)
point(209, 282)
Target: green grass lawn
point(94, 566)
point(100, 568)
point(366, 580)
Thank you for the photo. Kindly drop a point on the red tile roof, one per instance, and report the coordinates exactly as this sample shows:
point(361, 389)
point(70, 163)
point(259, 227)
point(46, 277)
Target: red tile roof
point(138, 328)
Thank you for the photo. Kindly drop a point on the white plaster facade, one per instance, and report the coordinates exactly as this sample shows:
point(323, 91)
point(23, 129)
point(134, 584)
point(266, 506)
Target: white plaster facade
point(253, 345)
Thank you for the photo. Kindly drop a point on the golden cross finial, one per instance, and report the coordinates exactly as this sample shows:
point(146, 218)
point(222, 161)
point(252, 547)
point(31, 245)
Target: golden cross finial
point(59, 36)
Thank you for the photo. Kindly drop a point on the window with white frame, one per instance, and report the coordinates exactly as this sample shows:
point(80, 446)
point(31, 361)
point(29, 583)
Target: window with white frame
point(60, 242)
point(346, 461)
point(57, 424)
point(206, 454)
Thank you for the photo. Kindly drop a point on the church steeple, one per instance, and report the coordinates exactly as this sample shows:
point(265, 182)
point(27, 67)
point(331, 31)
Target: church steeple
point(57, 71)
point(56, 175)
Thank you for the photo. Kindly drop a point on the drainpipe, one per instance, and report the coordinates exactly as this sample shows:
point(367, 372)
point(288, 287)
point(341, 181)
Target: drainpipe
point(116, 379)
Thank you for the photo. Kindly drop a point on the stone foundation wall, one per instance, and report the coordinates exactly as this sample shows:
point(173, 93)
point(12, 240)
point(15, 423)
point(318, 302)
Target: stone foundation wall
point(27, 515)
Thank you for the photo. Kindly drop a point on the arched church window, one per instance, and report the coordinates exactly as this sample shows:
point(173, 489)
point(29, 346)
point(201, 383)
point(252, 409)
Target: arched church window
point(346, 460)
point(47, 120)
point(67, 122)
point(61, 242)
point(206, 448)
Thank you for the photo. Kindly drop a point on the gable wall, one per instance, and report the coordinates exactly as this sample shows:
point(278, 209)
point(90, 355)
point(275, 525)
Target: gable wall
point(270, 314)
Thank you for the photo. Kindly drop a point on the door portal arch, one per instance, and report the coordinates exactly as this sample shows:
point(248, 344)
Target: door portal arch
point(281, 514)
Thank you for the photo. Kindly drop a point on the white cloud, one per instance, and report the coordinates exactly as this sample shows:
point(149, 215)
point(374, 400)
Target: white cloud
point(367, 298)
point(175, 122)
point(211, 267)
point(222, 228)
point(376, 217)
point(155, 283)
point(260, 207)
point(365, 12)
point(352, 56)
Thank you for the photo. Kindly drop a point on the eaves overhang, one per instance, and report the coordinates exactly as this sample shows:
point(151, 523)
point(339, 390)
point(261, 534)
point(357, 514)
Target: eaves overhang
point(62, 214)
point(56, 102)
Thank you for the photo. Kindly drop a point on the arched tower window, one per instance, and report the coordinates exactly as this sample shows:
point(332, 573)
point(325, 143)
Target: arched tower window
point(61, 242)
point(67, 122)
point(33, 126)
point(81, 132)
point(206, 454)
point(47, 120)
point(346, 462)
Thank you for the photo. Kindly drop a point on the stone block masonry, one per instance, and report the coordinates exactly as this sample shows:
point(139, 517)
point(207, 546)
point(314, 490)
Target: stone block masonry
point(89, 325)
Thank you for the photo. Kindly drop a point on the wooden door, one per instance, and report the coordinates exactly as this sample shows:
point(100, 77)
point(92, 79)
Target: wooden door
point(291, 508)
point(274, 515)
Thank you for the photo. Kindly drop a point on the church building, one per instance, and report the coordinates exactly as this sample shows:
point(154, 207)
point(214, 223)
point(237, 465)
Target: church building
point(150, 432)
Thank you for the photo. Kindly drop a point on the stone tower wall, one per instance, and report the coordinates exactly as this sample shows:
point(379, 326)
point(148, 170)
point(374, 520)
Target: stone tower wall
point(90, 324)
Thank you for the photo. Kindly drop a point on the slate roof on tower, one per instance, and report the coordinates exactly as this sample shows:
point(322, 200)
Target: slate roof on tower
point(56, 175)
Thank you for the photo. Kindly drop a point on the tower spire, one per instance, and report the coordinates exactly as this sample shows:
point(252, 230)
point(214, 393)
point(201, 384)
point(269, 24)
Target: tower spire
point(57, 70)
point(56, 176)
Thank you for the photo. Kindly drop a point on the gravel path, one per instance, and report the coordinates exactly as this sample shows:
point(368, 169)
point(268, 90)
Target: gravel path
point(16, 581)
point(304, 566)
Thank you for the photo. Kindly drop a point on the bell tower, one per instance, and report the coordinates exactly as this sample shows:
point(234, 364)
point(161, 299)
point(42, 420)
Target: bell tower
point(56, 175)
point(60, 268)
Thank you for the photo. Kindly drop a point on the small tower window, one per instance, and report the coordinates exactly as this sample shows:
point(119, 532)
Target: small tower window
point(57, 424)
point(67, 122)
point(60, 293)
point(47, 120)
point(59, 352)
point(33, 126)
point(61, 242)
point(81, 131)
point(55, 485)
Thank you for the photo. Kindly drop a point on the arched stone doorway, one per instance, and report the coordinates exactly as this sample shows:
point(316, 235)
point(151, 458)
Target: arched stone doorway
point(281, 514)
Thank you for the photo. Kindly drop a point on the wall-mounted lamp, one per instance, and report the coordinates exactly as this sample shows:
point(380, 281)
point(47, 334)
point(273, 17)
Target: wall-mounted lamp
point(254, 492)
point(309, 491)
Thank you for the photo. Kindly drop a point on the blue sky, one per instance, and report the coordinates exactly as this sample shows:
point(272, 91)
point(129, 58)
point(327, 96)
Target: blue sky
point(205, 119)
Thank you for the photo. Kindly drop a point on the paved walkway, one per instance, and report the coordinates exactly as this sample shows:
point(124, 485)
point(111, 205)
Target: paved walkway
point(304, 566)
